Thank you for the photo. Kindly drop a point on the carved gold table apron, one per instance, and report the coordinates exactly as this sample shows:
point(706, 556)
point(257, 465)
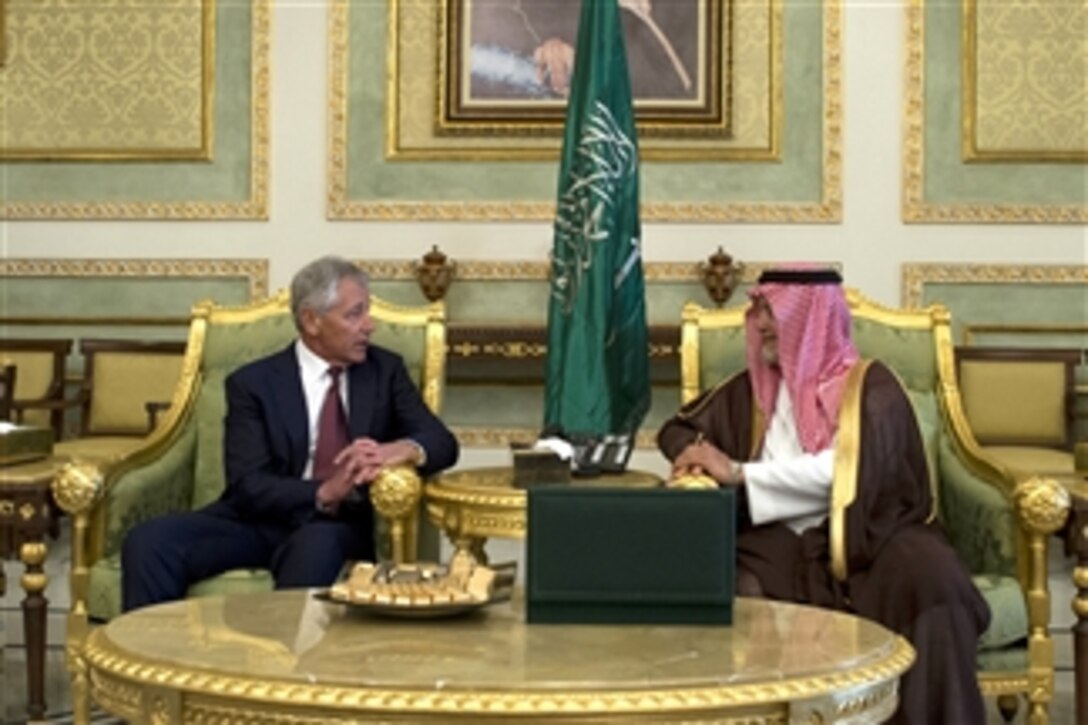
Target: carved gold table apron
point(472, 504)
point(25, 517)
point(285, 657)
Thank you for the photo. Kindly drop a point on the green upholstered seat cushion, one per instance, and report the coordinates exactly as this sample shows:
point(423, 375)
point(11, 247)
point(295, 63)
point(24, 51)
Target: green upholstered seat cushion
point(1008, 611)
point(104, 595)
point(235, 581)
point(1009, 659)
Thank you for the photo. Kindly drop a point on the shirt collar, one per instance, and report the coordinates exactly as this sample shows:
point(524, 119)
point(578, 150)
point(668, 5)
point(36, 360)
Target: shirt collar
point(312, 367)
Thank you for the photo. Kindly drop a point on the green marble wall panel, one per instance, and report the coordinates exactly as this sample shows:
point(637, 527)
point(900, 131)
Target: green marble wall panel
point(941, 185)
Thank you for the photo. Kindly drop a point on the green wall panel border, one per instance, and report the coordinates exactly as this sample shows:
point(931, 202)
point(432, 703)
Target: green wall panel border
point(234, 185)
point(938, 185)
point(804, 187)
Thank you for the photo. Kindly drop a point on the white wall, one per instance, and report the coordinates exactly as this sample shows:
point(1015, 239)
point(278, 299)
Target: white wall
point(871, 242)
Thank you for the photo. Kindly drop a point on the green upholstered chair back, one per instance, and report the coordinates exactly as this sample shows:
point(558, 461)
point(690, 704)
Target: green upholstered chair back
point(225, 338)
point(916, 345)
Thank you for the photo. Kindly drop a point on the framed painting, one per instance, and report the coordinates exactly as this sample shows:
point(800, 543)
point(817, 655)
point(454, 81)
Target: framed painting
point(507, 64)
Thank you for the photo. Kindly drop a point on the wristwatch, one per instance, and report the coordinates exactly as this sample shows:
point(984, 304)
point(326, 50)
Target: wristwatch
point(736, 472)
point(326, 507)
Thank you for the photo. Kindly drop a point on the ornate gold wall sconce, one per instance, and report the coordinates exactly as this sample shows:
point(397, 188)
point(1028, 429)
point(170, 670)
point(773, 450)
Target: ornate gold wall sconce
point(435, 274)
point(720, 276)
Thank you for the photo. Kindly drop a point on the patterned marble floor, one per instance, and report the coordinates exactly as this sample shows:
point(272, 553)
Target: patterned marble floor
point(13, 661)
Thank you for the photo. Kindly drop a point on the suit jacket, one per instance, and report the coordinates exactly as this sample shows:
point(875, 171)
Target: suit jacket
point(266, 439)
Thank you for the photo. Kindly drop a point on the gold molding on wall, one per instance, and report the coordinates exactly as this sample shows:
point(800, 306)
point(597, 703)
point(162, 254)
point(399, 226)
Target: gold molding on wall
point(827, 210)
point(971, 330)
point(255, 207)
point(916, 275)
point(489, 437)
point(255, 271)
point(915, 207)
point(475, 270)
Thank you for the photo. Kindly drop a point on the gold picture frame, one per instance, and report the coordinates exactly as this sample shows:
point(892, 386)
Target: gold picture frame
point(505, 66)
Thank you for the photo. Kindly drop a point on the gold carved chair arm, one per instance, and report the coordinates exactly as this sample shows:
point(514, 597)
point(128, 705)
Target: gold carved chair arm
point(396, 493)
point(1042, 507)
point(77, 489)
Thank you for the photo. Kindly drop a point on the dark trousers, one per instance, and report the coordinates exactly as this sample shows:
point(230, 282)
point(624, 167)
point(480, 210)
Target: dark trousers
point(163, 557)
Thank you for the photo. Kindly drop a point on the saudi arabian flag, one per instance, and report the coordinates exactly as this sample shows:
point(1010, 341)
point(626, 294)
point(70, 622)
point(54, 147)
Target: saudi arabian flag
point(598, 378)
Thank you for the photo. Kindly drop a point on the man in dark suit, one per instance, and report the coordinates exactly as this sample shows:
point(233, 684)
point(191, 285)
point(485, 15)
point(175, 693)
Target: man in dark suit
point(297, 463)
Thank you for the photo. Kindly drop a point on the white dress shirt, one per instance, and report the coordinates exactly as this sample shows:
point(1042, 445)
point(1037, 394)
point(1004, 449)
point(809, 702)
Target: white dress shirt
point(314, 372)
point(785, 483)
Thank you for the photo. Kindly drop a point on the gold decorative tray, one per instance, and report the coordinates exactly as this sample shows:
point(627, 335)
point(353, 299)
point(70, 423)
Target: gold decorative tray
point(423, 590)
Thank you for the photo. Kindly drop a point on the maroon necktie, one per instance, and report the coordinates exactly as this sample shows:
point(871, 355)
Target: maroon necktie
point(332, 429)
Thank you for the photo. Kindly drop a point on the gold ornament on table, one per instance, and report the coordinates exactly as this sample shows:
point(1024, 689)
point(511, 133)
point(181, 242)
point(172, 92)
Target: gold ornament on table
point(720, 276)
point(435, 274)
point(692, 481)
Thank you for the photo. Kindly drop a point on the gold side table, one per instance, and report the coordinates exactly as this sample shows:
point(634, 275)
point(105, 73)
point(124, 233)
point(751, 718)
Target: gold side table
point(26, 515)
point(472, 504)
point(286, 657)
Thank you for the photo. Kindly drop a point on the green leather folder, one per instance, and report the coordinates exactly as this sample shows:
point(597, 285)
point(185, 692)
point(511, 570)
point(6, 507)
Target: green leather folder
point(613, 555)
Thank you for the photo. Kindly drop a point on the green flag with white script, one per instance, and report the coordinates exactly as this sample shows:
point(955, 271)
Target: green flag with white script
point(598, 362)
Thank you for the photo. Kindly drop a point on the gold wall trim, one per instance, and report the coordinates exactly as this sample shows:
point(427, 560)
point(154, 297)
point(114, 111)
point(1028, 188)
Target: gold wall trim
point(969, 70)
point(501, 437)
point(255, 271)
point(203, 150)
point(916, 275)
point(971, 330)
point(482, 270)
point(827, 210)
point(255, 207)
point(915, 208)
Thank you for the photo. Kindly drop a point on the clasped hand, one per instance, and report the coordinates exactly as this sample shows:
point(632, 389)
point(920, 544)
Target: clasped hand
point(360, 462)
point(702, 458)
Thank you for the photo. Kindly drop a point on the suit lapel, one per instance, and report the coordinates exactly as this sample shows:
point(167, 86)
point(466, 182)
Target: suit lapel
point(291, 401)
point(361, 397)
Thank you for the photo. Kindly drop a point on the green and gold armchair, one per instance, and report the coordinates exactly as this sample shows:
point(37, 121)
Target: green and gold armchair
point(997, 523)
point(179, 467)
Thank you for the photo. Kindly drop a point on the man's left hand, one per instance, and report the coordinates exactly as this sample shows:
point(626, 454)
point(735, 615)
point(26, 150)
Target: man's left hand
point(368, 457)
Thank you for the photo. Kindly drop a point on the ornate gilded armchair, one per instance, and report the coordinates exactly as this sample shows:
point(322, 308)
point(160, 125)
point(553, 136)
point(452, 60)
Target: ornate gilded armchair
point(997, 524)
point(179, 466)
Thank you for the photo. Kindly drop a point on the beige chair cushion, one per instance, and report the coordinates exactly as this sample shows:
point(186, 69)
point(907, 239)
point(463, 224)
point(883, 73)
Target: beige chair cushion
point(1028, 459)
point(33, 378)
point(1015, 401)
point(123, 382)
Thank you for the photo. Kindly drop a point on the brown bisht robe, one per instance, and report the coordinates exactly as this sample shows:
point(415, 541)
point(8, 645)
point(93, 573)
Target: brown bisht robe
point(900, 569)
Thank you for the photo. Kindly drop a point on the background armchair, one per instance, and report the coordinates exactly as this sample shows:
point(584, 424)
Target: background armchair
point(39, 389)
point(119, 378)
point(179, 465)
point(1019, 403)
point(997, 524)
